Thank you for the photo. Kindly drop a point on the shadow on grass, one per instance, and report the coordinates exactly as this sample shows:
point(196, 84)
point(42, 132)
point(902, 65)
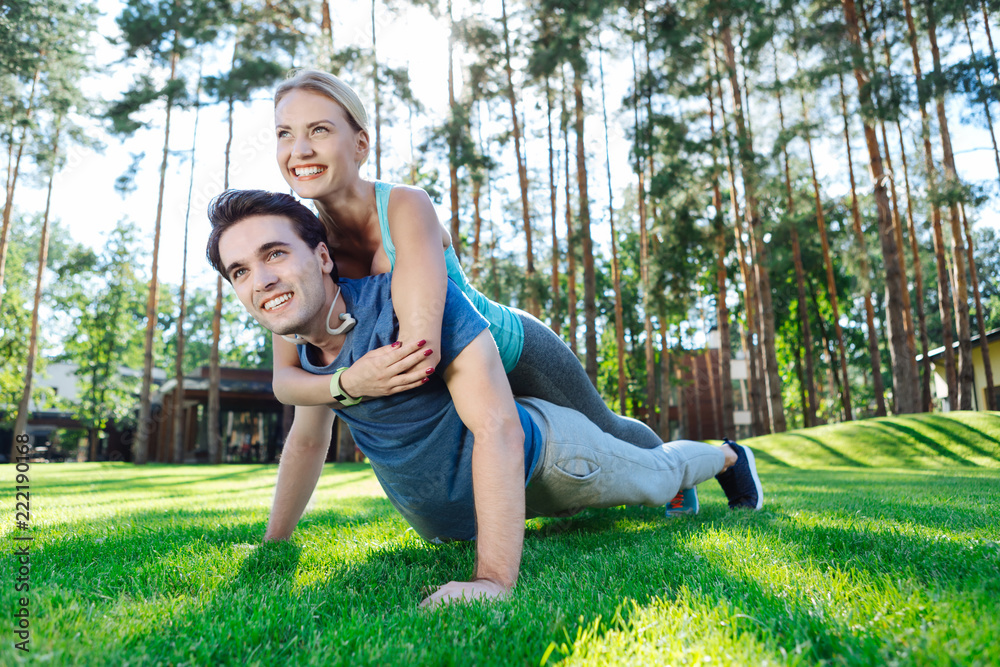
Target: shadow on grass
point(275, 561)
point(146, 483)
point(131, 483)
point(761, 455)
point(894, 427)
point(844, 459)
point(142, 551)
point(362, 611)
point(956, 430)
point(781, 617)
point(952, 502)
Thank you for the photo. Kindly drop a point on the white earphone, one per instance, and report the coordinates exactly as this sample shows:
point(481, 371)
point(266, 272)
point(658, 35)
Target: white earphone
point(347, 319)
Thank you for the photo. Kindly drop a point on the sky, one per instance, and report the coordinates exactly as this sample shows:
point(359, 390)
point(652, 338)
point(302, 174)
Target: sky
point(86, 202)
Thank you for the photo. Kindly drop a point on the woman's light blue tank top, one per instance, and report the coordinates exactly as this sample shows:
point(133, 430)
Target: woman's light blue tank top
point(506, 327)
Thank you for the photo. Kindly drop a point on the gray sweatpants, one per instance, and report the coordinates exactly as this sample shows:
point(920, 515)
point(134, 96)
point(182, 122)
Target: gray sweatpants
point(581, 466)
point(548, 369)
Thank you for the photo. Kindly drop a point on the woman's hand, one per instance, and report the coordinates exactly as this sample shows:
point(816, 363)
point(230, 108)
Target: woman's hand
point(390, 370)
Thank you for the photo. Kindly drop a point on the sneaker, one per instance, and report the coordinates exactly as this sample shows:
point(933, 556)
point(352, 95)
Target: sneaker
point(740, 482)
point(685, 503)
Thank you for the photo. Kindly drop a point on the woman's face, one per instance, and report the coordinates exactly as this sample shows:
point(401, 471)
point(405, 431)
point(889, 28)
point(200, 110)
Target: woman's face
point(318, 150)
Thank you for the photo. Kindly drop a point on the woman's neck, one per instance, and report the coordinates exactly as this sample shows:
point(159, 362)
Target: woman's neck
point(352, 207)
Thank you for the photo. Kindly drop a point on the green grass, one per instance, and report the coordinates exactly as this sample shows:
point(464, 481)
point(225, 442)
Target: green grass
point(879, 544)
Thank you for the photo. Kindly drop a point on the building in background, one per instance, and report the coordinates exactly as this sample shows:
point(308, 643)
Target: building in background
point(696, 399)
point(252, 422)
point(940, 386)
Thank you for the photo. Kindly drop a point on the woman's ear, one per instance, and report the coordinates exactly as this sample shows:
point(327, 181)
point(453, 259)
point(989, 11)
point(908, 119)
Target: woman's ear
point(362, 147)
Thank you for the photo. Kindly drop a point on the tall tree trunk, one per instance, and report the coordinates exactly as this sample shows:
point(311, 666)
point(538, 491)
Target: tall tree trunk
point(831, 283)
point(944, 282)
point(722, 310)
point(522, 171)
point(615, 270)
point(904, 370)
point(456, 237)
point(810, 403)
point(989, 38)
point(918, 279)
point(832, 376)
point(875, 356)
point(145, 423)
point(589, 278)
point(797, 366)
point(986, 102)
point(951, 183)
point(713, 390)
point(897, 225)
point(758, 409)
point(571, 236)
point(477, 178)
point(13, 168)
point(984, 346)
point(758, 249)
point(376, 84)
point(326, 29)
point(555, 320)
point(663, 425)
point(646, 132)
point(21, 422)
point(215, 453)
point(477, 223)
point(178, 416)
point(215, 446)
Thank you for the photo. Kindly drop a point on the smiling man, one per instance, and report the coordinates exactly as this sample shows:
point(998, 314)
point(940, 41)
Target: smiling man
point(455, 454)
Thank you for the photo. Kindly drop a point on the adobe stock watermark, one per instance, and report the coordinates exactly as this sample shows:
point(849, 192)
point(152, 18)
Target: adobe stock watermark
point(22, 551)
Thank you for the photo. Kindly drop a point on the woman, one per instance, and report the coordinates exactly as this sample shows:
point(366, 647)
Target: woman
point(375, 227)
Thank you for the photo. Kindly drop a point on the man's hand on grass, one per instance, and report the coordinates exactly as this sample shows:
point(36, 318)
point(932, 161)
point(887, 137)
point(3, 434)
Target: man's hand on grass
point(465, 591)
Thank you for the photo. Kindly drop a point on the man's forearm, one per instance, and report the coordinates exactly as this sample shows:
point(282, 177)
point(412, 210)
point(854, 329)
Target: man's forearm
point(498, 484)
point(298, 472)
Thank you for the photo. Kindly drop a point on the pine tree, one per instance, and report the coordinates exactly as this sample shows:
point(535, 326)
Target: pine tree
point(903, 356)
point(859, 235)
point(758, 249)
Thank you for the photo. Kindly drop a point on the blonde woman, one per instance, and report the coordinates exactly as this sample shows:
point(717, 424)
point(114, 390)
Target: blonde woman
point(375, 227)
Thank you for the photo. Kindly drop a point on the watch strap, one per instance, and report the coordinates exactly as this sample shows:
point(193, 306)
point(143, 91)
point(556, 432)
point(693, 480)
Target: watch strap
point(338, 392)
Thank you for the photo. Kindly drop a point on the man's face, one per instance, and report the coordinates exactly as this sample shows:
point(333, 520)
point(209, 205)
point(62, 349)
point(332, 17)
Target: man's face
point(277, 277)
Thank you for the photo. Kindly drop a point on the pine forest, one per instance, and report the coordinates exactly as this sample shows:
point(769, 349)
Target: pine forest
point(743, 217)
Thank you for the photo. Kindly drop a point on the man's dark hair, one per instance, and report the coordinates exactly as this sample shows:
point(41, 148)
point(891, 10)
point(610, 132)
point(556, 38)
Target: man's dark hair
point(233, 206)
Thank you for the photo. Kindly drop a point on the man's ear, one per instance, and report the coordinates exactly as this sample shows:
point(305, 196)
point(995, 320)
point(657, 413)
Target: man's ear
point(325, 258)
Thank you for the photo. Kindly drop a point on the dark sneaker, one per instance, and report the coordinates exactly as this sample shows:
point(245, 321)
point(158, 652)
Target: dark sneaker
point(740, 482)
point(685, 503)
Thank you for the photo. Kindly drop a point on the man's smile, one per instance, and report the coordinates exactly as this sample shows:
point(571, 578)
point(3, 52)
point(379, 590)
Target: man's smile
point(277, 301)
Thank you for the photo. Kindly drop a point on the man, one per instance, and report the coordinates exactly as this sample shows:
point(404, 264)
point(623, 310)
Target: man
point(457, 456)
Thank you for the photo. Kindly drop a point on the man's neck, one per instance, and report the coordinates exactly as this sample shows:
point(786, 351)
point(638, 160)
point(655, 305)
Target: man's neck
point(329, 345)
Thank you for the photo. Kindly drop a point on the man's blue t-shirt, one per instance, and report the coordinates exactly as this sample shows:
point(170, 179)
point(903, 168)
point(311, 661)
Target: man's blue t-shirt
point(419, 448)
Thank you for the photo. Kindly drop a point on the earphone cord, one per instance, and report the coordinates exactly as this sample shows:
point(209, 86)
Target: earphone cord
point(346, 317)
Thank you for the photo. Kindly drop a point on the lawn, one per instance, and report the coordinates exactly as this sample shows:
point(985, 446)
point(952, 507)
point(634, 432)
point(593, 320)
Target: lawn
point(879, 544)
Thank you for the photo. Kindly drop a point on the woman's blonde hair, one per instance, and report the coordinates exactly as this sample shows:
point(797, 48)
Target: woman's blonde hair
point(332, 87)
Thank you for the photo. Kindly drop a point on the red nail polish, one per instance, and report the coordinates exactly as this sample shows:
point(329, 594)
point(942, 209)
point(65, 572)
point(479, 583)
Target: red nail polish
point(424, 380)
point(428, 353)
point(420, 342)
point(396, 344)
point(429, 371)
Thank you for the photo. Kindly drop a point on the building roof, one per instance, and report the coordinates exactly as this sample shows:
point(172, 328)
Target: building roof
point(991, 337)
